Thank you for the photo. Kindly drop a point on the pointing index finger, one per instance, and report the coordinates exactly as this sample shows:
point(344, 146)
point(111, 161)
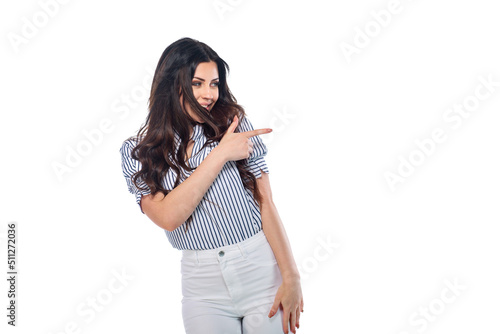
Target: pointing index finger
point(252, 133)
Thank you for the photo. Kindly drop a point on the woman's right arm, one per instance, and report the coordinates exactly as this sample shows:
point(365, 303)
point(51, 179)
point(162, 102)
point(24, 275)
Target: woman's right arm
point(172, 210)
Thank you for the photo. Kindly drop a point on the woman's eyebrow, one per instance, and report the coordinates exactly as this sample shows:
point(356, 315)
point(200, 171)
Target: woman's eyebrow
point(204, 79)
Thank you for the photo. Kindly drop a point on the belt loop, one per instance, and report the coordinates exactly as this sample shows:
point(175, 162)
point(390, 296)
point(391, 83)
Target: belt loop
point(242, 250)
point(196, 256)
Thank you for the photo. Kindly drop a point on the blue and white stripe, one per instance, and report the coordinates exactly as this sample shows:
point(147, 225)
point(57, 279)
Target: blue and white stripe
point(234, 218)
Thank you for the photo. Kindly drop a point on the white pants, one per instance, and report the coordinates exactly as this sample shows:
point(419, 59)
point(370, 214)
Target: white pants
point(231, 289)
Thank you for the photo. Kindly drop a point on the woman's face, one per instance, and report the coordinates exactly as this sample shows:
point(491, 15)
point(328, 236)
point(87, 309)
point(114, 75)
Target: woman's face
point(205, 85)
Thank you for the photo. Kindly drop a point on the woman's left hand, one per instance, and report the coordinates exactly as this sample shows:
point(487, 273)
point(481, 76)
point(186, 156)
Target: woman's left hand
point(289, 295)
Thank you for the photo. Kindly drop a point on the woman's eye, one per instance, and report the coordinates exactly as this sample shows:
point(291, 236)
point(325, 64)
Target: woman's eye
point(198, 84)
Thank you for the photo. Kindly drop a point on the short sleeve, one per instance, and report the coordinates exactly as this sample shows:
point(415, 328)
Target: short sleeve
point(255, 162)
point(130, 166)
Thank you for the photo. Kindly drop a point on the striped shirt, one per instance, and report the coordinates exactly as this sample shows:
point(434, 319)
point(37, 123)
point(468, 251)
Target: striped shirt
point(234, 216)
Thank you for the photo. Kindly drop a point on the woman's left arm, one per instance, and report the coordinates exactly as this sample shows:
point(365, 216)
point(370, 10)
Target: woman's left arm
point(289, 293)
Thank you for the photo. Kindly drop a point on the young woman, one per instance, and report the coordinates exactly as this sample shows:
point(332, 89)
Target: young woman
point(197, 170)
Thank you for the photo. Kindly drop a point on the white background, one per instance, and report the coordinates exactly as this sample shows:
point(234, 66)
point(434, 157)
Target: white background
point(349, 120)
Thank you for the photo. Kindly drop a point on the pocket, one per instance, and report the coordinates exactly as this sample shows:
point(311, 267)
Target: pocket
point(262, 255)
point(188, 269)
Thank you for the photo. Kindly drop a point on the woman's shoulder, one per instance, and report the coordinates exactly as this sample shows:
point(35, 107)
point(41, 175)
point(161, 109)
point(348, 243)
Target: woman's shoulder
point(127, 146)
point(131, 141)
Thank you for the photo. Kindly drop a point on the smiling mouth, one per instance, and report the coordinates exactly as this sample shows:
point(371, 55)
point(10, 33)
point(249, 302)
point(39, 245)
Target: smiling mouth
point(206, 106)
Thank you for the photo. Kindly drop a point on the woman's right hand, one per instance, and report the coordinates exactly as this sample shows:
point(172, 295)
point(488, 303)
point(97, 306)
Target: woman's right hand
point(237, 146)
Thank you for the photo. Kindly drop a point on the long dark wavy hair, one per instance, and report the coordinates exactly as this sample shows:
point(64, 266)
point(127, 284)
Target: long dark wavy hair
point(156, 146)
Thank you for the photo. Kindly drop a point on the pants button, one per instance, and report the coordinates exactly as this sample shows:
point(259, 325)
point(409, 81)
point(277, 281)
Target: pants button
point(221, 253)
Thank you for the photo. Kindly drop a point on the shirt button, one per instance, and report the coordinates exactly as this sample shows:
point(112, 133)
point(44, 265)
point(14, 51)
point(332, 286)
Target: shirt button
point(221, 253)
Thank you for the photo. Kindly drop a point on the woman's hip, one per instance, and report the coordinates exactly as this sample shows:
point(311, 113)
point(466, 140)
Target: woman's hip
point(239, 274)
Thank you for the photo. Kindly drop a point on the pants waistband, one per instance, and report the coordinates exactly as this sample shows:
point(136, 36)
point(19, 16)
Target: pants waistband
point(225, 252)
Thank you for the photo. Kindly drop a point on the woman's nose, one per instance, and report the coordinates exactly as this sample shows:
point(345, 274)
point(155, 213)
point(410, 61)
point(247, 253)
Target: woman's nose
point(207, 93)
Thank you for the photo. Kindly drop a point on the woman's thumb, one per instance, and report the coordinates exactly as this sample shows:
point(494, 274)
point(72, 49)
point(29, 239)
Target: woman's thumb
point(233, 125)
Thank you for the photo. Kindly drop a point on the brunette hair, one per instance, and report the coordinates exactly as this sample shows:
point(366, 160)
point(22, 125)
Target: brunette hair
point(156, 145)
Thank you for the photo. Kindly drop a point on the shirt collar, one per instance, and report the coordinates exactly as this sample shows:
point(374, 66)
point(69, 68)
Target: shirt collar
point(197, 132)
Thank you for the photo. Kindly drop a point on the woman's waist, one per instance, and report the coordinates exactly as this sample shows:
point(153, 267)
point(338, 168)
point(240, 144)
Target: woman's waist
point(225, 252)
